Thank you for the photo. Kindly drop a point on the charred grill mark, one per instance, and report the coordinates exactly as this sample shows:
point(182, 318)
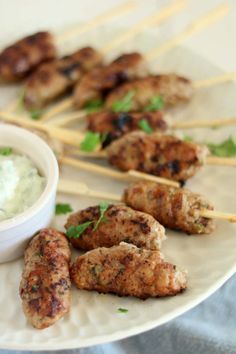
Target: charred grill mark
point(68, 71)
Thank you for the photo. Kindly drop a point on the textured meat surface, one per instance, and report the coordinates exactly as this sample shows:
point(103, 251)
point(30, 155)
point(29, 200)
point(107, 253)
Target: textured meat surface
point(54, 78)
point(161, 155)
point(45, 284)
point(126, 270)
point(117, 124)
point(99, 81)
point(121, 224)
point(19, 59)
point(172, 88)
point(175, 208)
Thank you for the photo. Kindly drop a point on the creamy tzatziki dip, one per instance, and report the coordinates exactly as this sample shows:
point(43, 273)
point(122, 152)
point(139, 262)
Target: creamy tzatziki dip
point(20, 184)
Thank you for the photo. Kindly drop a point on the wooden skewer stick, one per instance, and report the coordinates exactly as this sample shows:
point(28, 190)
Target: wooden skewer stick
point(203, 123)
point(198, 25)
point(97, 21)
point(123, 176)
point(77, 188)
point(156, 19)
point(66, 136)
point(221, 161)
point(215, 80)
point(69, 118)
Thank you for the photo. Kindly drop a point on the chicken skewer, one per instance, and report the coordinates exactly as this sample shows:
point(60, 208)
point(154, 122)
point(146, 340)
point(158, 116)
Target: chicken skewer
point(45, 283)
point(126, 270)
point(20, 58)
point(197, 25)
point(185, 211)
point(112, 225)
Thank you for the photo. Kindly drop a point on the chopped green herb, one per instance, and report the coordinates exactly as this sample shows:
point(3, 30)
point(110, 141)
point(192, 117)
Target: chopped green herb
point(122, 310)
point(225, 149)
point(76, 231)
point(6, 151)
point(187, 138)
point(93, 106)
point(21, 104)
point(125, 104)
point(62, 209)
point(145, 126)
point(36, 114)
point(35, 287)
point(90, 142)
point(103, 208)
point(156, 103)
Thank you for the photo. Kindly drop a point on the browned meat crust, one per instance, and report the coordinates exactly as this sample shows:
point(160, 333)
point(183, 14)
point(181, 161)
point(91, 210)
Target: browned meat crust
point(45, 284)
point(17, 60)
point(114, 125)
point(54, 78)
point(121, 224)
point(172, 88)
point(175, 208)
point(99, 81)
point(126, 270)
point(161, 155)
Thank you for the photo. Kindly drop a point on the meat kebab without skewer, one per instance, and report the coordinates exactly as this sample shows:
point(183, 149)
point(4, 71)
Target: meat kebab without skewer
point(120, 223)
point(54, 78)
point(161, 155)
point(45, 284)
point(98, 82)
point(20, 58)
point(126, 270)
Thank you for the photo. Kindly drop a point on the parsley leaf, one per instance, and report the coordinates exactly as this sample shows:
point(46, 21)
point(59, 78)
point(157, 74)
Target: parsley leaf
point(6, 151)
point(76, 231)
point(145, 126)
point(90, 142)
point(103, 208)
point(36, 114)
point(156, 103)
point(187, 138)
point(226, 149)
point(121, 310)
point(62, 208)
point(93, 106)
point(125, 104)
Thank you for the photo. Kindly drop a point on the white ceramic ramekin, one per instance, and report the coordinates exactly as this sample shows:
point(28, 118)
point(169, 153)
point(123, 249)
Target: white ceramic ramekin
point(16, 232)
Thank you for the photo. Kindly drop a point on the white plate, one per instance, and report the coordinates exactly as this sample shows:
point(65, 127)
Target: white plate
point(210, 260)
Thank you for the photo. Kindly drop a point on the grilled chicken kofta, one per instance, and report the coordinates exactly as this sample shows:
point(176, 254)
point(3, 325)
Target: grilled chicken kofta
point(114, 125)
point(161, 155)
point(120, 223)
point(175, 208)
point(126, 270)
point(19, 59)
point(173, 89)
point(98, 82)
point(54, 78)
point(45, 284)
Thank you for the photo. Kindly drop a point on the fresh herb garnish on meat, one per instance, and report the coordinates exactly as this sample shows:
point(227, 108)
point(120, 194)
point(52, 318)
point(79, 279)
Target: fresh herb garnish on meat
point(6, 151)
point(62, 208)
point(93, 106)
point(225, 149)
point(36, 114)
point(76, 231)
point(145, 126)
point(125, 104)
point(122, 310)
point(156, 103)
point(103, 208)
point(90, 142)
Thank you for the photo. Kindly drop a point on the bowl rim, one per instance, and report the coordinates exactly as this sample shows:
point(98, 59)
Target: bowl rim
point(51, 179)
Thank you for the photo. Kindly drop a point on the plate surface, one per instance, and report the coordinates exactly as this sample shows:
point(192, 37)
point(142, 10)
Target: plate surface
point(210, 260)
